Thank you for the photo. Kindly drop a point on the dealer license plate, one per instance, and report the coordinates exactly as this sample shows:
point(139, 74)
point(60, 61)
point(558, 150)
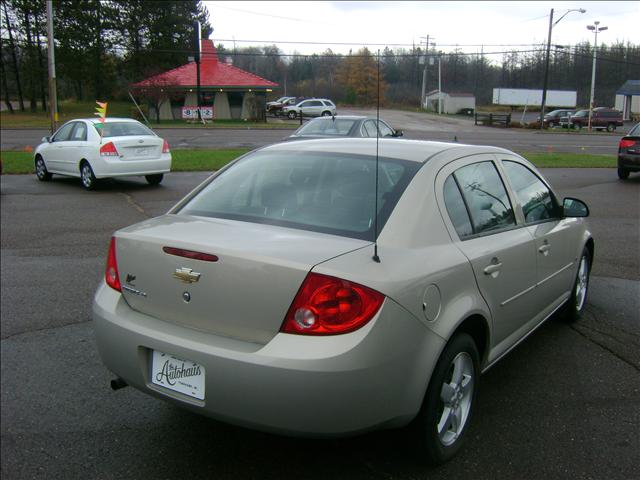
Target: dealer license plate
point(176, 374)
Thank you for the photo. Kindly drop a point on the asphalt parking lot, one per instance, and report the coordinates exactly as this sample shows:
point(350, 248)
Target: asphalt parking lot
point(564, 404)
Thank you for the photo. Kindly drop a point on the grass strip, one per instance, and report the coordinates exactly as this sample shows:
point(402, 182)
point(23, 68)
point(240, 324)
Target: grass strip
point(213, 159)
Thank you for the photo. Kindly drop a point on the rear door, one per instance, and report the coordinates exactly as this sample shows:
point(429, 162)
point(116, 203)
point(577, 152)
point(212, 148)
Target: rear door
point(312, 108)
point(75, 146)
point(501, 251)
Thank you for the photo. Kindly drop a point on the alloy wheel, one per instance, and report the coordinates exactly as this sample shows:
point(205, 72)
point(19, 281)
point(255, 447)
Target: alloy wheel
point(456, 396)
point(582, 283)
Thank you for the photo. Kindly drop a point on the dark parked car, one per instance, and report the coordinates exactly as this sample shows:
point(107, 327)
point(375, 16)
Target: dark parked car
point(601, 118)
point(275, 108)
point(557, 117)
point(343, 126)
point(629, 153)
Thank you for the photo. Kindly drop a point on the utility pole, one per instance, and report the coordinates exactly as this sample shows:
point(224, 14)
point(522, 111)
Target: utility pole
point(439, 84)
point(53, 97)
point(197, 58)
point(546, 72)
point(546, 62)
point(424, 74)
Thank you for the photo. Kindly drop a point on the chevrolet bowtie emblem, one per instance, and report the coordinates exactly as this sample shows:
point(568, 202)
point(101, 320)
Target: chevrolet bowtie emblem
point(187, 275)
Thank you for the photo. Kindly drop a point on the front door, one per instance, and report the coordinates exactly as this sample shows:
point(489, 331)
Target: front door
point(551, 233)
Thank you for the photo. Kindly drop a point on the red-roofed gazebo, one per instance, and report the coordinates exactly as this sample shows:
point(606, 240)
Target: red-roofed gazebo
point(232, 92)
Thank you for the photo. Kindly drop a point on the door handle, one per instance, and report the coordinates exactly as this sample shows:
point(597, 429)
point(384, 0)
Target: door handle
point(494, 267)
point(545, 247)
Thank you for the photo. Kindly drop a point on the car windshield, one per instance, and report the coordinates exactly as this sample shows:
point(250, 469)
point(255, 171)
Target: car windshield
point(332, 127)
point(555, 113)
point(123, 129)
point(635, 131)
point(582, 113)
point(319, 191)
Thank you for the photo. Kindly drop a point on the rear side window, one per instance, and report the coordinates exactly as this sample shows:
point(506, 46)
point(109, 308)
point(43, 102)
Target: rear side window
point(535, 198)
point(79, 133)
point(456, 208)
point(123, 129)
point(635, 131)
point(319, 191)
point(485, 197)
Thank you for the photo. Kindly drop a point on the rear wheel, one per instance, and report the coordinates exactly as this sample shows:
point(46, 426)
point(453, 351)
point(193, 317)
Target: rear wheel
point(574, 308)
point(623, 173)
point(154, 179)
point(446, 412)
point(291, 114)
point(611, 127)
point(41, 170)
point(87, 177)
point(326, 114)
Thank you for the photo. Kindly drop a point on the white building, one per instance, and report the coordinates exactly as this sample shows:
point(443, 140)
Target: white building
point(451, 102)
point(628, 100)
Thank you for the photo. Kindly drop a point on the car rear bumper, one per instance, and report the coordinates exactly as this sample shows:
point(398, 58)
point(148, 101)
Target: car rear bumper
point(300, 385)
point(118, 168)
point(629, 161)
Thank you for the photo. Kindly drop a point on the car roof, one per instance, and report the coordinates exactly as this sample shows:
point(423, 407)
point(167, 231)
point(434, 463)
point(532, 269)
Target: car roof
point(412, 150)
point(341, 117)
point(108, 119)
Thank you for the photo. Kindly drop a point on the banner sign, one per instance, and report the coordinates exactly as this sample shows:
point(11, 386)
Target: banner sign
point(191, 113)
point(101, 112)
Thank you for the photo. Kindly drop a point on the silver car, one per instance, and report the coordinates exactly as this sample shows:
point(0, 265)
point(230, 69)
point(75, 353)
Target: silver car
point(312, 107)
point(314, 288)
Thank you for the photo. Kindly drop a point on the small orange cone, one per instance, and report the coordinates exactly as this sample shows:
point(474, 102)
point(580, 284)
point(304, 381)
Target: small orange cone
point(28, 149)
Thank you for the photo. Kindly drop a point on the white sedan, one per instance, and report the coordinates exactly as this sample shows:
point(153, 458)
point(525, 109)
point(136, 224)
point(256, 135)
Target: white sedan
point(126, 148)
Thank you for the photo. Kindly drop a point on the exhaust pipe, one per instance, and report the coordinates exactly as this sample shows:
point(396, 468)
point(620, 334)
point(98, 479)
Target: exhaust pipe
point(118, 383)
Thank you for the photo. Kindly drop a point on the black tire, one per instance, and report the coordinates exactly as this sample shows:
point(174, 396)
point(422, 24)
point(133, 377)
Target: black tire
point(42, 173)
point(623, 173)
point(439, 447)
point(326, 114)
point(611, 127)
point(575, 306)
point(577, 126)
point(87, 178)
point(154, 179)
point(291, 114)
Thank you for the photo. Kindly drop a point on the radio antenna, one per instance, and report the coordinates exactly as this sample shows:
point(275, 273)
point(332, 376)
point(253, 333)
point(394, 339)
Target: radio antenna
point(376, 258)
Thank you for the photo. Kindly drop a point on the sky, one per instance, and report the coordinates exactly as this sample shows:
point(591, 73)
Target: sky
point(401, 24)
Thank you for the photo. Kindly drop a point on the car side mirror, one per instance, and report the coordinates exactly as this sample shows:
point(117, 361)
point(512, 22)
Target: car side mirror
point(46, 139)
point(398, 133)
point(572, 207)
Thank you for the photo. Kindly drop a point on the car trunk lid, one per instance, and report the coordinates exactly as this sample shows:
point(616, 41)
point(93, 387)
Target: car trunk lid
point(137, 147)
point(245, 294)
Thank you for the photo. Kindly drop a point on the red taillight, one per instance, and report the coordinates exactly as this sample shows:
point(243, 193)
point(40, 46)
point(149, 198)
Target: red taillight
point(627, 143)
point(108, 150)
point(111, 275)
point(329, 306)
point(165, 147)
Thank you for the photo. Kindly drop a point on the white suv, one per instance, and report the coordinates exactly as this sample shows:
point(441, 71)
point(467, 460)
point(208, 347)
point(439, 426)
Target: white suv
point(312, 107)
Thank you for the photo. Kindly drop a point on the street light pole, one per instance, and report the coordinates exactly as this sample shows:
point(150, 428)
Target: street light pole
point(595, 29)
point(546, 61)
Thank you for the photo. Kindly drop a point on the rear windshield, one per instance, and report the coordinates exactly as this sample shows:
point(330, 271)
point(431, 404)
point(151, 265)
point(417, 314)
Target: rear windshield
point(335, 127)
point(123, 129)
point(318, 191)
